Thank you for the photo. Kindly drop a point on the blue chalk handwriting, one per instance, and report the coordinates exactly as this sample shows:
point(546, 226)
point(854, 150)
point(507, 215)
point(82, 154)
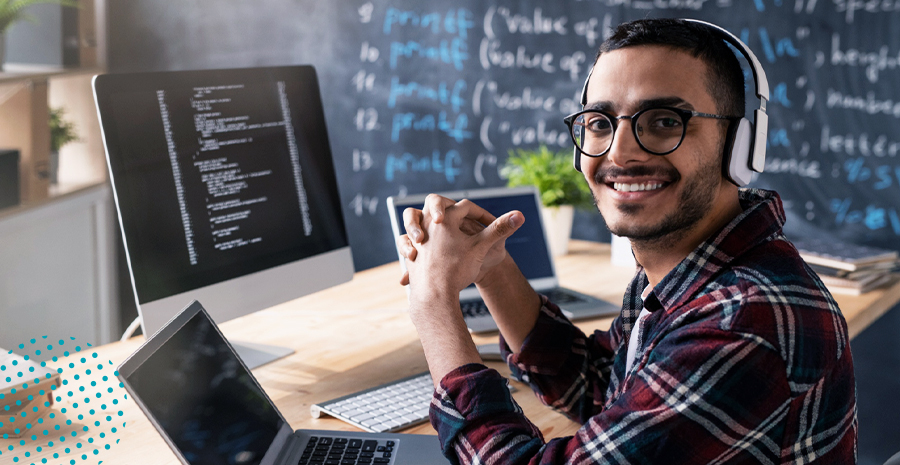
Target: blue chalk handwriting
point(773, 48)
point(881, 177)
point(429, 123)
point(456, 22)
point(453, 52)
point(778, 138)
point(779, 95)
point(871, 216)
point(447, 164)
point(442, 94)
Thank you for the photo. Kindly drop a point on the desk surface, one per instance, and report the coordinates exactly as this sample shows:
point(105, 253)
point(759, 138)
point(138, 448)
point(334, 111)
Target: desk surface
point(358, 335)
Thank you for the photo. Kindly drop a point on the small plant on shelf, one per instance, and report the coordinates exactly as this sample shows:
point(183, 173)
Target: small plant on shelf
point(552, 173)
point(62, 131)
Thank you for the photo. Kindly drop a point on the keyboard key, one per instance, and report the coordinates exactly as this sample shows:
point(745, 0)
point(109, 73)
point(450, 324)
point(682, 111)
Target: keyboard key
point(364, 416)
point(381, 427)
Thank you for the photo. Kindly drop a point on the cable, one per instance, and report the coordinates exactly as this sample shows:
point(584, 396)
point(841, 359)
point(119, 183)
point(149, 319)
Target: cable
point(129, 331)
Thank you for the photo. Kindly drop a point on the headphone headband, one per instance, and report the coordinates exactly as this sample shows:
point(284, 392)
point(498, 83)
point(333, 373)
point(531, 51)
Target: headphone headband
point(756, 145)
point(759, 76)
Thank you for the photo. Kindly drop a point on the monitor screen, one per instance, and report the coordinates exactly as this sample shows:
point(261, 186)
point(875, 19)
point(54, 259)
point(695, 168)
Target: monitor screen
point(526, 246)
point(219, 175)
point(206, 401)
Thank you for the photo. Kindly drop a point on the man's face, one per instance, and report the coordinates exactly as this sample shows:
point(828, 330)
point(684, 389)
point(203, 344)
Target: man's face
point(649, 197)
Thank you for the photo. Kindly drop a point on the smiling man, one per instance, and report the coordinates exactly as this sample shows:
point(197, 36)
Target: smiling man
point(728, 350)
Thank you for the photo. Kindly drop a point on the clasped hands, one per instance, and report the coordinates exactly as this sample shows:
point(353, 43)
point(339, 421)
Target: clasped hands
point(450, 245)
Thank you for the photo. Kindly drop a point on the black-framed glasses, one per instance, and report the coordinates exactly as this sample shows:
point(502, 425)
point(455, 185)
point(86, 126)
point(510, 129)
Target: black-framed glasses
point(658, 130)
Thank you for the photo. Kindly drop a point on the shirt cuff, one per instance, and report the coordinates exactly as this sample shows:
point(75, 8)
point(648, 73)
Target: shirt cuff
point(546, 348)
point(472, 395)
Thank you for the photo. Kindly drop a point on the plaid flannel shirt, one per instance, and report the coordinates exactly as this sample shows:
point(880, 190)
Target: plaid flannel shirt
point(743, 359)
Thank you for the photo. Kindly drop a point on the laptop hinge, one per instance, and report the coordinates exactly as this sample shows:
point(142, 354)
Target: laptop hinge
point(281, 446)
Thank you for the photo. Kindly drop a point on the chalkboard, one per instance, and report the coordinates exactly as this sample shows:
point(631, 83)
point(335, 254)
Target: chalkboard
point(432, 95)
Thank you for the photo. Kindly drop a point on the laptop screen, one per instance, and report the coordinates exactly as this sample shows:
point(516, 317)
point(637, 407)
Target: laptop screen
point(205, 399)
point(526, 246)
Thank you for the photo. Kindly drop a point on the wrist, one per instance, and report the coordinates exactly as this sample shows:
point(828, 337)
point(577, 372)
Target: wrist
point(433, 303)
point(496, 276)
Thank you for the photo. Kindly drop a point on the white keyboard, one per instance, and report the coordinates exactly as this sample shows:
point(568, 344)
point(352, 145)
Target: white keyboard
point(390, 407)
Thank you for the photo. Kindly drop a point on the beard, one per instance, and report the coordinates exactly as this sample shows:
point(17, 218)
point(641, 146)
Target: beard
point(695, 201)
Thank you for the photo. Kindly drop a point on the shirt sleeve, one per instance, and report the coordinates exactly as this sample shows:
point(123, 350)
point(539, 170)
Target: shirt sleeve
point(567, 370)
point(702, 396)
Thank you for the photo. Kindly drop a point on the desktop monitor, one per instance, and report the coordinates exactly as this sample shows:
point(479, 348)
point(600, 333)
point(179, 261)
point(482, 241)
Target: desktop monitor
point(225, 189)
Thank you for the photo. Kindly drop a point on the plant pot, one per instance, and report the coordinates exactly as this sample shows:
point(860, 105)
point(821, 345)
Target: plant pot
point(620, 252)
point(558, 226)
point(54, 166)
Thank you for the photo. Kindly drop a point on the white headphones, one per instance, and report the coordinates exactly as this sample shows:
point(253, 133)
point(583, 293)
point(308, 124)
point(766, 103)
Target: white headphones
point(745, 143)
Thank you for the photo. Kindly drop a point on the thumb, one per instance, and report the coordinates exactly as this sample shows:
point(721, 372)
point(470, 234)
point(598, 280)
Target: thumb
point(504, 226)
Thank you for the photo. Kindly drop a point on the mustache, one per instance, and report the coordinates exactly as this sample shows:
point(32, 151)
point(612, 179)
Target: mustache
point(602, 175)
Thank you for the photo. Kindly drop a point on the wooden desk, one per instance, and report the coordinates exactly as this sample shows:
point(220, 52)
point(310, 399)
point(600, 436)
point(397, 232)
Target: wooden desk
point(358, 335)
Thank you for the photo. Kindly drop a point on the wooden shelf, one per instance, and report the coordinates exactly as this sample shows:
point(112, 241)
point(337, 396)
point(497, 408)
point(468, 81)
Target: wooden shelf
point(24, 74)
point(25, 100)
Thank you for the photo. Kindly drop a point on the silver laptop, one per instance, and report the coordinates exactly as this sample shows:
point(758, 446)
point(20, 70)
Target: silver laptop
point(527, 246)
point(211, 410)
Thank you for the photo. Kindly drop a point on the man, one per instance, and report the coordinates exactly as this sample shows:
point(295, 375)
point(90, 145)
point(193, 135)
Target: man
point(728, 349)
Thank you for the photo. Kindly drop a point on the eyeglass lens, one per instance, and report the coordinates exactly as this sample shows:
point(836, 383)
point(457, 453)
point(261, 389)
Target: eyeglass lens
point(658, 131)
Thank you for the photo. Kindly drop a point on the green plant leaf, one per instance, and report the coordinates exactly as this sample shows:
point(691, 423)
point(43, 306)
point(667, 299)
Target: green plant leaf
point(551, 172)
point(61, 131)
point(12, 11)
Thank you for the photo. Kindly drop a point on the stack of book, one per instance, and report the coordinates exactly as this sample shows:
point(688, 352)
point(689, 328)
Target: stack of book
point(26, 393)
point(849, 268)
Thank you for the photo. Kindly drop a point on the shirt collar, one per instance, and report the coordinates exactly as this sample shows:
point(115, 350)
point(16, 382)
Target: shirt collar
point(762, 218)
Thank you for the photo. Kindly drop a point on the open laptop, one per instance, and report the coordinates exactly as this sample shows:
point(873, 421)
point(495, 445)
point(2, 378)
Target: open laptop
point(210, 409)
point(527, 246)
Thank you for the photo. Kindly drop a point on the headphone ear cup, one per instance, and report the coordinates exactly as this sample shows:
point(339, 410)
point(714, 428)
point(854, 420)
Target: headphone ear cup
point(738, 145)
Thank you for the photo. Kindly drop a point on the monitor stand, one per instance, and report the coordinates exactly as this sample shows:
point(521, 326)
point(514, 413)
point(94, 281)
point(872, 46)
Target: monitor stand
point(257, 355)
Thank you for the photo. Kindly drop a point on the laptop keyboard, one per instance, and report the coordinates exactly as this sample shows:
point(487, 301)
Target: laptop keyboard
point(347, 451)
point(389, 407)
point(477, 308)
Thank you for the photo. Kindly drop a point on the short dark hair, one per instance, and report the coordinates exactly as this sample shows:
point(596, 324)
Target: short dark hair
point(725, 79)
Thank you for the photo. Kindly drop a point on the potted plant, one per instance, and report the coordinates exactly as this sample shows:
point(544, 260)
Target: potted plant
point(561, 187)
point(62, 132)
point(12, 11)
